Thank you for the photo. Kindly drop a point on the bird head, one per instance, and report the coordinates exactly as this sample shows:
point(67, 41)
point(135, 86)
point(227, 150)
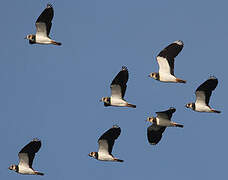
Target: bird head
point(93, 154)
point(189, 105)
point(154, 75)
point(30, 37)
point(13, 167)
point(104, 99)
point(151, 119)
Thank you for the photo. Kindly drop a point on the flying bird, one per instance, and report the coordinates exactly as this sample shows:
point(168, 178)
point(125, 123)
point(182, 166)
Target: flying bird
point(106, 142)
point(203, 94)
point(26, 156)
point(159, 124)
point(165, 61)
point(118, 89)
point(43, 27)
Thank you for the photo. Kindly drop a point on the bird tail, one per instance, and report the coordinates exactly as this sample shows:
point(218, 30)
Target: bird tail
point(118, 160)
point(39, 173)
point(178, 125)
point(180, 80)
point(215, 111)
point(131, 105)
point(56, 43)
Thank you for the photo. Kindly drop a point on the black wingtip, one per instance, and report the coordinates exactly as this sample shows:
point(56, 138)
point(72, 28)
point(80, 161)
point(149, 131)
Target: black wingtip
point(212, 77)
point(115, 126)
point(49, 5)
point(124, 68)
point(153, 143)
point(179, 42)
point(172, 109)
point(36, 139)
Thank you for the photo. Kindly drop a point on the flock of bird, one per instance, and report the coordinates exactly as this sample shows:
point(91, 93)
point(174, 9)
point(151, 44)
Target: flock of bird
point(118, 87)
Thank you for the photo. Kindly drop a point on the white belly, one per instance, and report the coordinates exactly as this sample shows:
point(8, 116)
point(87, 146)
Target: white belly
point(25, 170)
point(118, 102)
point(202, 108)
point(105, 157)
point(43, 40)
point(163, 122)
point(167, 77)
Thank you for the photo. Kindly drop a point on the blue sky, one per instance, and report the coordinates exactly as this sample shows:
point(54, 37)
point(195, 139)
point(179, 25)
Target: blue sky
point(53, 92)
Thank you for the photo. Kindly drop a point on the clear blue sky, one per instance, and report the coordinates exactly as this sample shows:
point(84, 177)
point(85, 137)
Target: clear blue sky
point(53, 92)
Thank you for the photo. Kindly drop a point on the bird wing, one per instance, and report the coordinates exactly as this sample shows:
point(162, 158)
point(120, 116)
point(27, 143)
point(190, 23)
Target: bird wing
point(166, 57)
point(203, 92)
point(43, 23)
point(164, 66)
point(119, 83)
point(103, 146)
point(154, 133)
point(201, 97)
point(41, 29)
point(116, 91)
point(24, 159)
point(106, 141)
point(167, 115)
point(27, 154)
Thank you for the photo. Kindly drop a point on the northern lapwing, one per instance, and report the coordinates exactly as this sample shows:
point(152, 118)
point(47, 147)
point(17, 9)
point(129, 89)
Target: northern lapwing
point(118, 89)
point(203, 94)
point(163, 120)
point(165, 61)
point(43, 27)
point(106, 142)
point(26, 156)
